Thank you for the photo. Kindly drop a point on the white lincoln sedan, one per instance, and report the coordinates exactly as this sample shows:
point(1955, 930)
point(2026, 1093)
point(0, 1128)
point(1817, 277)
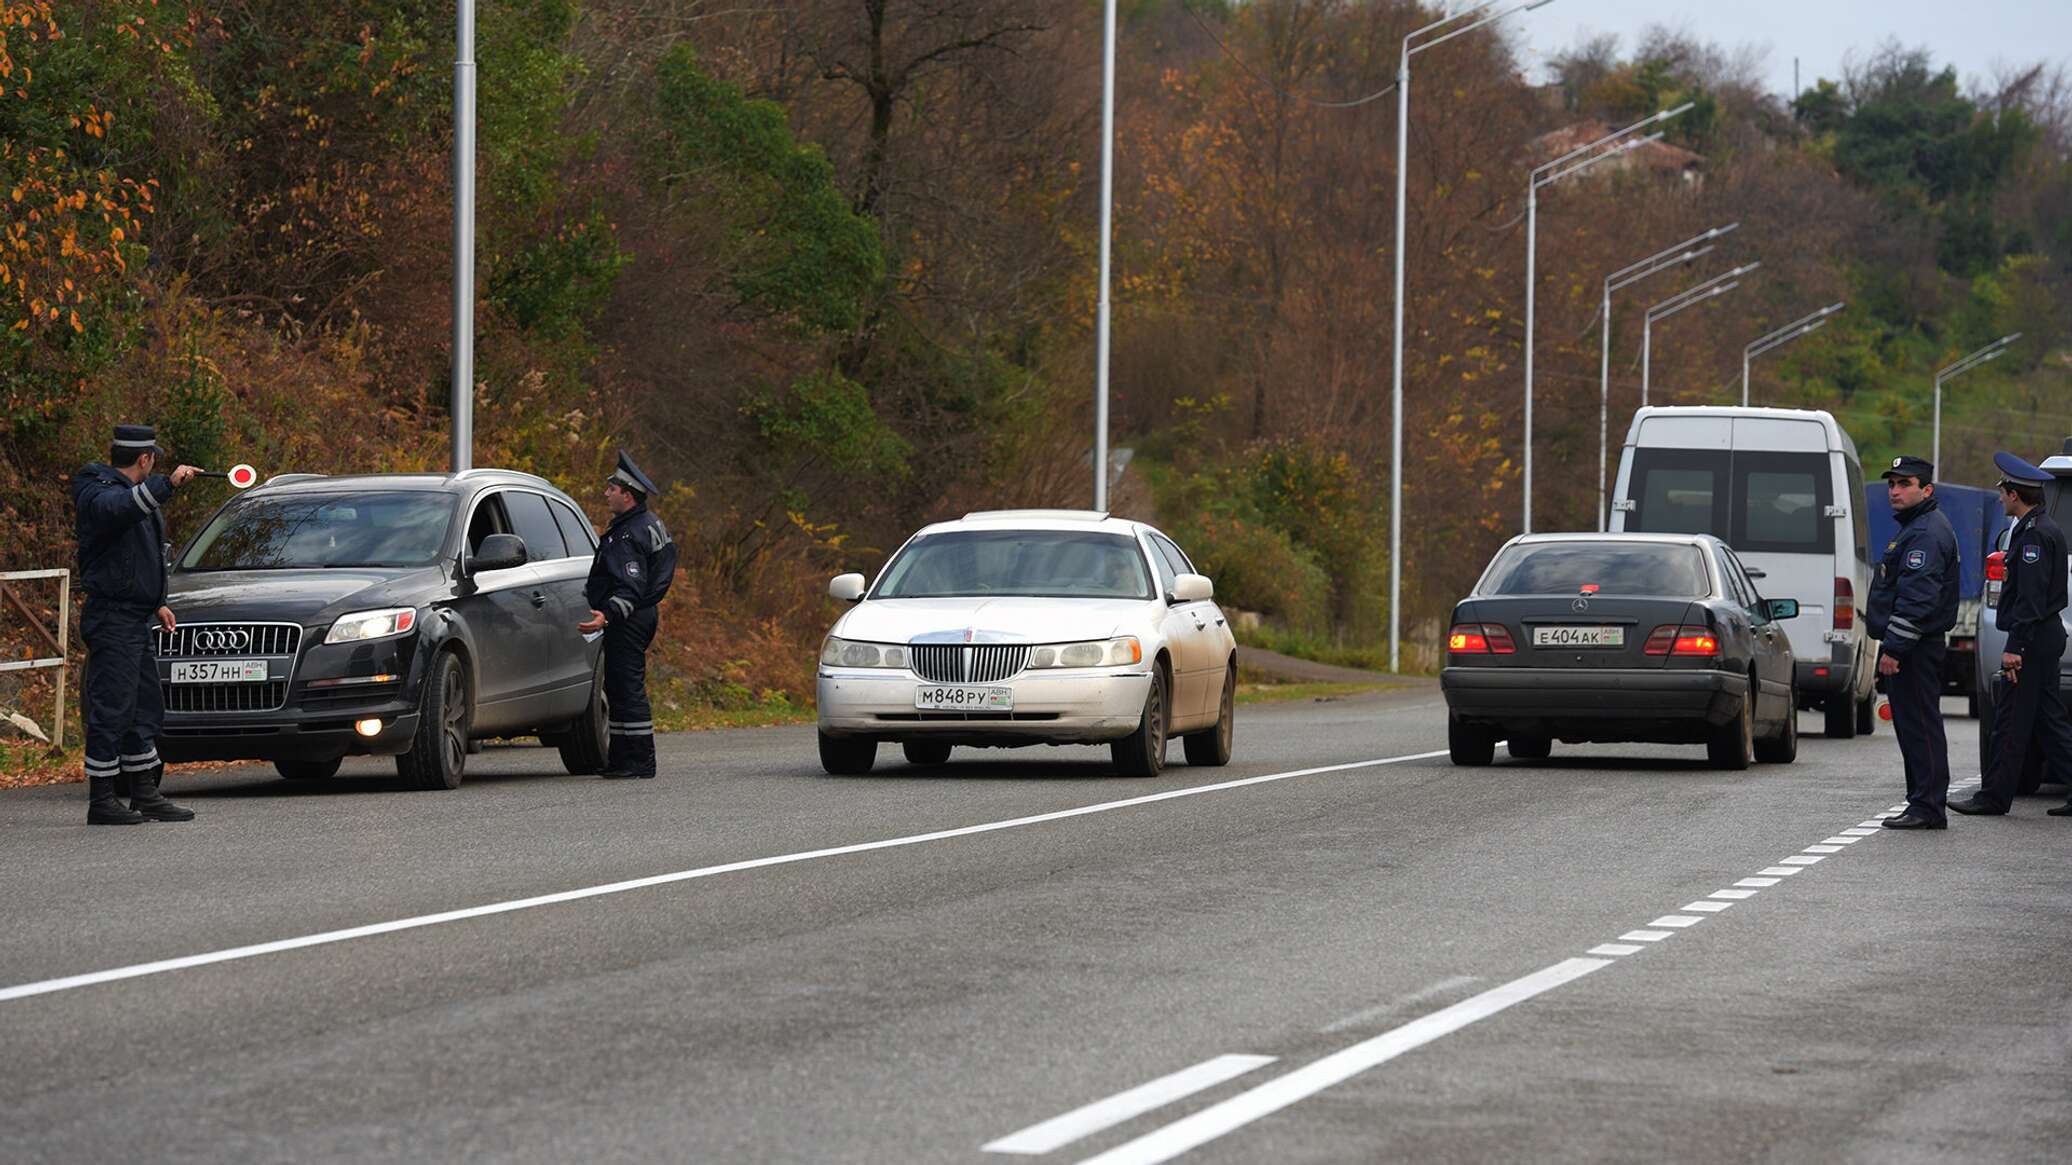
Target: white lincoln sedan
point(1019, 627)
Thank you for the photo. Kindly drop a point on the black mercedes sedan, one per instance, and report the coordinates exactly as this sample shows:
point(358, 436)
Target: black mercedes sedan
point(1620, 637)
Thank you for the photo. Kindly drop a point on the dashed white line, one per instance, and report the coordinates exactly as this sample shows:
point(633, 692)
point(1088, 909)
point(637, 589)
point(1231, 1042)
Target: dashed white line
point(1705, 907)
point(1087, 1120)
point(1839, 839)
point(1733, 895)
point(1676, 921)
point(1645, 936)
point(1779, 871)
point(1823, 849)
point(1759, 883)
point(1801, 860)
point(1613, 950)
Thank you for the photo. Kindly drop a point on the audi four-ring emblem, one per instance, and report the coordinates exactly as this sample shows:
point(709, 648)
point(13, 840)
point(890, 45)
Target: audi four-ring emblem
point(234, 639)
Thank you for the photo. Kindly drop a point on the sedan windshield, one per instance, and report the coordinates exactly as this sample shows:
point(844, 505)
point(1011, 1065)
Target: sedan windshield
point(302, 531)
point(1652, 569)
point(1043, 563)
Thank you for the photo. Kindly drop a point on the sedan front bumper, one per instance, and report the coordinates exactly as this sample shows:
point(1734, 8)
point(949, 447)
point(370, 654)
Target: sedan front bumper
point(1079, 707)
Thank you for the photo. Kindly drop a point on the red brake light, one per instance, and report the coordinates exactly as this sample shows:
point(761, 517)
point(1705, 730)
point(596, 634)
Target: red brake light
point(1480, 639)
point(1686, 639)
point(1845, 604)
point(1996, 566)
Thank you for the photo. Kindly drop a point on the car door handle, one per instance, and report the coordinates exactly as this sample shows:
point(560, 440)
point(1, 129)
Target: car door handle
point(538, 599)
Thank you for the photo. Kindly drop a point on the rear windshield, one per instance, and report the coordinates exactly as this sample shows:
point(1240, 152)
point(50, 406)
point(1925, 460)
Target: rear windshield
point(1752, 501)
point(303, 531)
point(1653, 570)
point(1051, 563)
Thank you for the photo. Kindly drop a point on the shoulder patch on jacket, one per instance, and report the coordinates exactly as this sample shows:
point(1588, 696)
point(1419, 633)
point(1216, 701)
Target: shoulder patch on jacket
point(1916, 559)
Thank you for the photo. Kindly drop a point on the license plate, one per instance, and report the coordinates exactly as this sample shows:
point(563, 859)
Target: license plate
point(963, 698)
point(1573, 636)
point(220, 671)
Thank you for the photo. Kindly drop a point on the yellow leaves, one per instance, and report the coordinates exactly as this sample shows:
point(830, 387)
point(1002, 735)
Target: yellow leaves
point(116, 234)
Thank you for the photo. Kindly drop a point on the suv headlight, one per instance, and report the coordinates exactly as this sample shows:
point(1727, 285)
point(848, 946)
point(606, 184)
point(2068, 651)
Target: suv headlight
point(361, 626)
point(849, 653)
point(1121, 651)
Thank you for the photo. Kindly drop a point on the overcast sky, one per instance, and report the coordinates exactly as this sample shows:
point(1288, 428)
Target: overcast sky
point(1973, 35)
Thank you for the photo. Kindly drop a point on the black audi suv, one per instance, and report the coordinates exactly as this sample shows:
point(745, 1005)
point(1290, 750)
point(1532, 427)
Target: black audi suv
point(404, 615)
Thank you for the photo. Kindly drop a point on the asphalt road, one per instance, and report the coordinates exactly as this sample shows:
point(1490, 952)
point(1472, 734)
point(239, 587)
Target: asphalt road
point(1392, 961)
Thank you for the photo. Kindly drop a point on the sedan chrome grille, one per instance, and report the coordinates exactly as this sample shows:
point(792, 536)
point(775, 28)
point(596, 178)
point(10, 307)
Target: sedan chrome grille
point(967, 663)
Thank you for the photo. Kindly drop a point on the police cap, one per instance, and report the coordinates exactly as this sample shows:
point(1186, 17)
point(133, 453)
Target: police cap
point(2015, 471)
point(1911, 466)
point(139, 438)
point(629, 476)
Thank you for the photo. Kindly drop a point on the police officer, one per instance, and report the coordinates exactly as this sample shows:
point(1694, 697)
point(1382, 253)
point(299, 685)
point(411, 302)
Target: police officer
point(121, 534)
point(629, 577)
point(1913, 603)
point(2032, 713)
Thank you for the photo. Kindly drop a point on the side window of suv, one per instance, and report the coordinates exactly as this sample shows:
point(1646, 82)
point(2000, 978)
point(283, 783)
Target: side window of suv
point(575, 530)
point(487, 519)
point(531, 521)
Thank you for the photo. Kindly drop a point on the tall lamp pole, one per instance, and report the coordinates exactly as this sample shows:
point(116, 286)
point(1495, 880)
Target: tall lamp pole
point(463, 406)
point(1990, 352)
point(1711, 289)
point(1107, 213)
point(1574, 162)
point(1782, 336)
point(1691, 249)
point(1413, 44)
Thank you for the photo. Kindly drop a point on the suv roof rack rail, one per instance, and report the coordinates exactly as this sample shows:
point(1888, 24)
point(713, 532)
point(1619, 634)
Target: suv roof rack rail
point(281, 478)
point(465, 474)
point(1061, 515)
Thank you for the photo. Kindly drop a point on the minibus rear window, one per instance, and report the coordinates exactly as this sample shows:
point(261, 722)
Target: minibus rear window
point(1756, 502)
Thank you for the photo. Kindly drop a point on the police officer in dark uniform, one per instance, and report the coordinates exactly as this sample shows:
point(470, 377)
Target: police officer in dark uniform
point(629, 577)
point(2031, 714)
point(1913, 603)
point(121, 534)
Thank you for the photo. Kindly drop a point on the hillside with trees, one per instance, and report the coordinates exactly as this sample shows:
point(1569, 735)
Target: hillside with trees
point(827, 268)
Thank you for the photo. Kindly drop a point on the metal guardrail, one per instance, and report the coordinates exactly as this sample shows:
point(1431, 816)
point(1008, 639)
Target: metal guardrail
point(59, 642)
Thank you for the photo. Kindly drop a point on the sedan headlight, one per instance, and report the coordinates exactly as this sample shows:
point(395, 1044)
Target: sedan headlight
point(1118, 652)
point(849, 653)
point(361, 626)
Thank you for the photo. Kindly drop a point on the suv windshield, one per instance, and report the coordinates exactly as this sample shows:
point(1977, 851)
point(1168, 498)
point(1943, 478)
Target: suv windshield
point(1043, 563)
point(1654, 569)
point(302, 531)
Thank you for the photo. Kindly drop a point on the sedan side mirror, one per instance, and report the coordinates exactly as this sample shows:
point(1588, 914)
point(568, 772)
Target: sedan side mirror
point(846, 588)
point(1782, 609)
point(1192, 588)
point(500, 552)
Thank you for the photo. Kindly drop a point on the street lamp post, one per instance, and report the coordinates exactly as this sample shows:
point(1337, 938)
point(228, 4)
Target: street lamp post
point(1711, 289)
point(1781, 337)
point(1412, 45)
point(463, 405)
point(1990, 352)
point(1693, 248)
point(1573, 162)
point(1107, 211)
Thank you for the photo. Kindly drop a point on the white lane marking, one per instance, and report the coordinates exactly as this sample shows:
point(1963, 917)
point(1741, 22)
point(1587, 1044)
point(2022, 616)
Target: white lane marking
point(1800, 860)
point(1419, 996)
point(1873, 823)
point(1838, 839)
point(1676, 921)
point(161, 966)
point(1735, 895)
point(1759, 883)
point(1612, 949)
point(1779, 871)
point(1645, 936)
point(1860, 831)
point(1087, 1120)
point(1705, 907)
point(1202, 1127)
point(1823, 849)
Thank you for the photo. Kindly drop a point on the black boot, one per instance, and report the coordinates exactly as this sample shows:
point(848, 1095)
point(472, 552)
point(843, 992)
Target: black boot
point(149, 802)
point(103, 807)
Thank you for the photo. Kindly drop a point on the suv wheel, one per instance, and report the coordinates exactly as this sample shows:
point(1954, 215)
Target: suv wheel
point(439, 751)
point(1142, 753)
point(308, 770)
point(1841, 717)
point(585, 744)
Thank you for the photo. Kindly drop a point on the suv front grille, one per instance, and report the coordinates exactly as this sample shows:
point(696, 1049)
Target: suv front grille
point(967, 663)
point(270, 641)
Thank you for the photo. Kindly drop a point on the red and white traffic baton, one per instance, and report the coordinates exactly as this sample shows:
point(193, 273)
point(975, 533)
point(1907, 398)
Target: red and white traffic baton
point(239, 476)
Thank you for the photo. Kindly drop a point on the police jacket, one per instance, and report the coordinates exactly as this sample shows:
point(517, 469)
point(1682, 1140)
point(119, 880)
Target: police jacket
point(2035, 590)
point(634, 566)
point(1914, 595)
point(121, 535)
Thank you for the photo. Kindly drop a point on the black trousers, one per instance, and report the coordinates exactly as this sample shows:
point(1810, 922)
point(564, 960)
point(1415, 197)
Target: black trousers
point(632, 723)
point(1916, 695)
point(124, 707)
point(2029, 716)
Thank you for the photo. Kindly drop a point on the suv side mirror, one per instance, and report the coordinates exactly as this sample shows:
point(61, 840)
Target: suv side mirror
point(1192, 588)
point(847, 588)
point(1782, 609)
point(1754, 571)
point(500, 552)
